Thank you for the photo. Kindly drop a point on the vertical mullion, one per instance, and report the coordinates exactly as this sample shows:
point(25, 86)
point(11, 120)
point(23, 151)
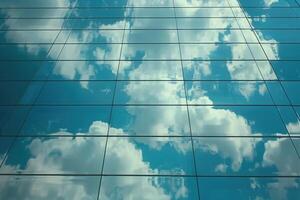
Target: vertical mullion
point(186, 100)
point(31, 106)
point(298, 4)
point(251, 52)
point(279, 81)
point(111, 109)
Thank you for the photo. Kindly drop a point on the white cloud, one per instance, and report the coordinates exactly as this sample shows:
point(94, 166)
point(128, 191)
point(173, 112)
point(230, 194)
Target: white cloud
point(111, 51)
point(221, 168)
point(270, 2)
point(205, 120)
point(294, 128)
point(60, 155)
point(262, 89)
point(281, 154)
point(20, 36)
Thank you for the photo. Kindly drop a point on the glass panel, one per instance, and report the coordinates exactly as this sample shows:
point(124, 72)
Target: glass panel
point(245, 3)
point(21, 92)
point(131, 187)
point(50, 187)
point(34, 24)
point(34, 3)
point(248, 188)
point(244, 121)
point(153, 23)
point(221, 52)
point(85, 70)
point(150, 70)
point(75, 92)
point(5, 144)
point(210, 36)
point(272, 11)
point(277, 92)
point(29, 36)
point(296, 142)
point(90, 52)
point(56, 155)
point(134, 52)
point(99, 12)
point(206, 23)
point(290, 116)
point(150, 12)
point(287, 70)
point(201, 3)
point(202, 11)
point(151, 36)
point(287, 52)
point(292, 89)
point(222, 70)
point(150, 92)
point(26, 70)
point(144, 156)
point(151, 120)
point(12, 119)
point(227, 92)
point(13, 52)
point(62, 120)
point(277, 23)
point(246, 157)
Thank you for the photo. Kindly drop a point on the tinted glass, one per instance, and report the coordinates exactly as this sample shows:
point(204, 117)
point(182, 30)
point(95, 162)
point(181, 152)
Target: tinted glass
point(139, 100)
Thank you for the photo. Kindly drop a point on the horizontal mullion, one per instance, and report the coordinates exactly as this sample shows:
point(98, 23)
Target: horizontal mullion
point(149, 175)
point(159, 17)
point(145, 104)
point(143, 136)
point(40, 61)
point(132, 7)
point(95, 60)
point(138, 105)
point(156, 80)
point(149, 80)
point(140, 29)
point(101, 43)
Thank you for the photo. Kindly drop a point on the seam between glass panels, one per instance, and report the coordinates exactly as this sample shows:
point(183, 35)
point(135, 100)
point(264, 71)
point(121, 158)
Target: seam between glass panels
point(149, 175)
point(147, 136)
point(252, 55)
point(155, 17)
point(39, 90)
point(137, 29)
point(279, 81)
point(144, 104)
point(140, 43)
point(298, 4)
point(122, 7)
point(186, 101)
point(53, 60)
point(153, 80)
point(111, 109)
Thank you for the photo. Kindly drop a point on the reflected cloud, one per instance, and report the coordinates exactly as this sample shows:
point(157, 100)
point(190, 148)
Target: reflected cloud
point(19, 36)
point(231, 154)
point(60, 155)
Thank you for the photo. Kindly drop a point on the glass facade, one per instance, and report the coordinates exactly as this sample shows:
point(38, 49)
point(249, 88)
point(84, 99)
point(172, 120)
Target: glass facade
point(149, 100)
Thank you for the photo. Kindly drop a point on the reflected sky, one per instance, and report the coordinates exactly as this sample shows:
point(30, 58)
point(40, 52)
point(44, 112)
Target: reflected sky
point(162, 99)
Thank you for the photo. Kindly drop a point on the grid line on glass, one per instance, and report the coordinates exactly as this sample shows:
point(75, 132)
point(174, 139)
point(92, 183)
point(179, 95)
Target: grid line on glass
point(200, 177)
point(280, 82)
point(38, 94)
point(111, 110)
point(186, 100)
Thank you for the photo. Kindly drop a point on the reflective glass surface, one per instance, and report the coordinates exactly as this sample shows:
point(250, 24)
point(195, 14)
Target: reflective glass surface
point(143, 100)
